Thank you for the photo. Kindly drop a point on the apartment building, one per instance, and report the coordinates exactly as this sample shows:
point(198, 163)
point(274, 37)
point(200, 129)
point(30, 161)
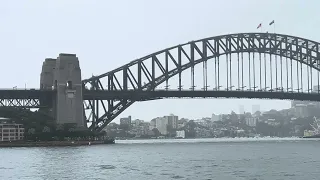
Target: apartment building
point(10, 131)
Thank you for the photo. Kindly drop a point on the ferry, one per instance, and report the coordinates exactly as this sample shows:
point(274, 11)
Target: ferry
point(315, 133)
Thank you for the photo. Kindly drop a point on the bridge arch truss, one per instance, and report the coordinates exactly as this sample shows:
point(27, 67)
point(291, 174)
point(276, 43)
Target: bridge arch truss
point(244, 65)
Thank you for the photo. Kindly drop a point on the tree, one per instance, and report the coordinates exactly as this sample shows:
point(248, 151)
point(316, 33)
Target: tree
point(46, 129)
point(257, 114)
point(31, 131)
point(156, 132)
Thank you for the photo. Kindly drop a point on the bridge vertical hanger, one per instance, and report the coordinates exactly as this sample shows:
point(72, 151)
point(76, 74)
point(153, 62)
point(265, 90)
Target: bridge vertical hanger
point(281, 65)
point(242, 44)
point(230, 70)
point(276, 62)
point(205, 59)
point(298, 51)
point(238, 61)
point(249, 71)
point(270, 64)
point(227, 64)
point(139, 76)
point(253, 65)
point(311, 67)
point(217, 45)
point(265, 64)
point(318, 64)
point(291, 57)
point(260, 64)
point(167, 70)
point(192, 66)
point(153, 72)
point(287, 68)
point(301, 69)
point(179, 67)
point(125, 79)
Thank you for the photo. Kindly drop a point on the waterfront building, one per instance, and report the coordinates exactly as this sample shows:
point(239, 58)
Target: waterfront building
point(251, 121)
point(10, 131)
point(172, 121)
point(125, 122)
point(161, 125)
point(180, 134)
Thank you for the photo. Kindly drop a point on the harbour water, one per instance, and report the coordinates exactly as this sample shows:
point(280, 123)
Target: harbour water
point(230, 159)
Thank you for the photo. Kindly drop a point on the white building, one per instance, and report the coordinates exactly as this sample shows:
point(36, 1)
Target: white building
point(10, 131)
point(125, 121)
point(137, 122)
point(215, 118)
point(180, 134)
point(251, 121)
point(161, 125)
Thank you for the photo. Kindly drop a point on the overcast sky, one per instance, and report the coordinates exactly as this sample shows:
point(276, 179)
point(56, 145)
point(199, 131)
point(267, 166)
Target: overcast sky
point(107, 34)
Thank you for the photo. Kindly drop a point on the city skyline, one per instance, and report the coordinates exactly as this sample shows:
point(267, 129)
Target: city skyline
point(134, 118)
point(96, 36)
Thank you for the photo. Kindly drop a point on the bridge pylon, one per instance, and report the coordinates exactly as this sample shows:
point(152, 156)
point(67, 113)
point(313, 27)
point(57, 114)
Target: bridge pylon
point(64, 76)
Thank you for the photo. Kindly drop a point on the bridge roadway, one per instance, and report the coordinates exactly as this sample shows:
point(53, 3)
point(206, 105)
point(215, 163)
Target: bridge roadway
point(137, 95)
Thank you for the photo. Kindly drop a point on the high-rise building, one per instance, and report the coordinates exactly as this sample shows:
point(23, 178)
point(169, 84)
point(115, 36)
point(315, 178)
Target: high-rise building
point(172, 121)
point(125, 121)
point(161, 125)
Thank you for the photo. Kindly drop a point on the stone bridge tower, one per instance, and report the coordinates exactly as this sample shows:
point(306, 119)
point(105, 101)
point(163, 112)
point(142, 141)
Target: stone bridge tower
point(64, 76)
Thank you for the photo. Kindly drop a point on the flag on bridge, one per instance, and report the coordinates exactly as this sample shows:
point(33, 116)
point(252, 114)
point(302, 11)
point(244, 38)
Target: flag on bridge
point(259, 26)
point(272, 22)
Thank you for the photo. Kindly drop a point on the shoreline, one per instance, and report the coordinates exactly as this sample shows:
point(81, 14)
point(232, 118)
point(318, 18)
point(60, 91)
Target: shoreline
point(54, 143)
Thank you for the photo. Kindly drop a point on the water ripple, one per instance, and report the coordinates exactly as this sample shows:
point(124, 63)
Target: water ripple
point(240, 161)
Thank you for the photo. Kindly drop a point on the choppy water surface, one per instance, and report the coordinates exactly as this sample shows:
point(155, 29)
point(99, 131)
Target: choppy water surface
point(247, 159)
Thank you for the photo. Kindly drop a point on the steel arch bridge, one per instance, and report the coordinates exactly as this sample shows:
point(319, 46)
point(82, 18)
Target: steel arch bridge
point(244, 65)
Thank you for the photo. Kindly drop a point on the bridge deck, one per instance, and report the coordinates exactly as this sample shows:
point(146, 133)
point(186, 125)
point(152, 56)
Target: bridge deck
point(149, 95)
point(158, 94)
point(24, 93)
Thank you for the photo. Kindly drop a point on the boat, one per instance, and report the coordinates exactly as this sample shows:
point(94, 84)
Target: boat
point(315, 132)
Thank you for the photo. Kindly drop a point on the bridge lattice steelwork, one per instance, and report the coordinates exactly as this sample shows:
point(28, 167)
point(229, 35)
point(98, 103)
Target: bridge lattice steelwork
point(245, 65)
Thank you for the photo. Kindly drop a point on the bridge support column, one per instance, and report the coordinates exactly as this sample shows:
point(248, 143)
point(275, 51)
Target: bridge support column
point(64, 75)
point(67, 82)
point(46, 83)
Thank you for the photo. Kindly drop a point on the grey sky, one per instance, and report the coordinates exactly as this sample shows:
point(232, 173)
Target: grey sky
point(108, 34)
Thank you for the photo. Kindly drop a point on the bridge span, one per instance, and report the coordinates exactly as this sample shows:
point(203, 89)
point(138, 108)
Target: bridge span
point(243, 65)
point(31, 98)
